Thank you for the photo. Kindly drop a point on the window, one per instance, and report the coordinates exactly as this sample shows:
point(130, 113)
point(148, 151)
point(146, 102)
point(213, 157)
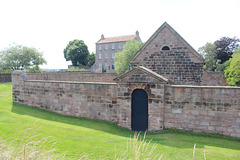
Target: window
point(165, 48)
point(113, 55)
point(105, 66)
point(113, 46)
point(100, 47)
point(120, 46)
point(106, 56)
point(113, 65)
point(100, 56)
point(106, 47)
point(100, 66)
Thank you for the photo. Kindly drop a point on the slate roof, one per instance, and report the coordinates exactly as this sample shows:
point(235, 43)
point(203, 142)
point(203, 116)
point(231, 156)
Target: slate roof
point(117, 39)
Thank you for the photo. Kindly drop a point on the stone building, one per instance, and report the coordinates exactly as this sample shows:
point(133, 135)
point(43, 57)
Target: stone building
point(106, 49)
point(144, 98)
point(169, 55)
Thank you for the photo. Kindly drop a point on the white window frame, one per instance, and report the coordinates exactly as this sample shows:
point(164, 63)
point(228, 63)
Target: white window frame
point(113, 55)
point(113, 46)
point(120, 46)
point(100, 47)
point(106, 47)
point(100, 56)
point(105, 65)
point(106, 55)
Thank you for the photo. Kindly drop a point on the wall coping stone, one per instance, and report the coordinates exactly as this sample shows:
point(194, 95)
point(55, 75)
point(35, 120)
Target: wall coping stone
point(49, 81)
point(204, 87)
point(21, 73)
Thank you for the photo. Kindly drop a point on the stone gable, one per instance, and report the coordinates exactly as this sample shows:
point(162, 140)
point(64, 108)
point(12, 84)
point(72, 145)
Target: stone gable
point(141, 75)
point(181, 63)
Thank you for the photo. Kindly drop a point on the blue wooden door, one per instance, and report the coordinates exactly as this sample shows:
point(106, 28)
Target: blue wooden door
point(139, 110)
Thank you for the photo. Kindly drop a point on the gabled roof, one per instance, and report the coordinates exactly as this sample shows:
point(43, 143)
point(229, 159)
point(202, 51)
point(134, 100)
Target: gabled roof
point(144, 70)
point(165, 24)
point(117, 39)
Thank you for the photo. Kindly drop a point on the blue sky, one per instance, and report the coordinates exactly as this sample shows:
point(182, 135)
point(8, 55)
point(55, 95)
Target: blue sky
point(50, 24)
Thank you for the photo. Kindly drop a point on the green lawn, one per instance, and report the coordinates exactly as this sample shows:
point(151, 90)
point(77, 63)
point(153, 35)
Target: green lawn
point(98, 139)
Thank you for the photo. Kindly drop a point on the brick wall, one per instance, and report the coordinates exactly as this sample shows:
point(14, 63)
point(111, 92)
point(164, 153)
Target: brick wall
point(73, 76)
point(203, 109)
point(5, 77)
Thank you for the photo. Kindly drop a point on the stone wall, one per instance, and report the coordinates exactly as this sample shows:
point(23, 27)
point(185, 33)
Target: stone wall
point(155, 104)
point(5, 77)
point(181, 63)
point(203, 109)
point(92, 100)
point(209, 109)
point(77, 76)
point(214, 79)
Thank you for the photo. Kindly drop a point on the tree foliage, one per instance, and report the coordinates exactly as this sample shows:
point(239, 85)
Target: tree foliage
point(232, 73)
point(18, 57)
point(225, 47)
point(76, 52)
point(208, 51)
point(35, 69)
point(91, 59)
point(217, 54)
point(122, 59)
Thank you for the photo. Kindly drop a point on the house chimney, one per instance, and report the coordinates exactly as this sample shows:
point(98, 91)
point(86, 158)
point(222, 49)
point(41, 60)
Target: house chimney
point(137, 33)
point(102, 36)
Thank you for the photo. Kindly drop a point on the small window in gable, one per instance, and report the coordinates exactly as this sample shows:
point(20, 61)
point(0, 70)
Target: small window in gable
point(165, 48)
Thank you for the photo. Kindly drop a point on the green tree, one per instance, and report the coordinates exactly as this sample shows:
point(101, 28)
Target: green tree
point(91, 59)
point(18, 57)
point(35, 69)
point(76, 52)
point(122, 59)
point(232, 73)
point(208, 51)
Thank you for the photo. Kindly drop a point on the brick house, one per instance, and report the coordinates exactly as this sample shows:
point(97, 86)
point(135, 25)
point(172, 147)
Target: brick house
point(106, 49)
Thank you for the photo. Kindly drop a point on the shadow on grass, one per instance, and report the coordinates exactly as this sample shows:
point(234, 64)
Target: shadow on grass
point(168, 137)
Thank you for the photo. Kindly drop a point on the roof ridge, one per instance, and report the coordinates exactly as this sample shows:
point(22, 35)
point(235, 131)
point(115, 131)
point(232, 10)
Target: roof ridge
point(119, 36)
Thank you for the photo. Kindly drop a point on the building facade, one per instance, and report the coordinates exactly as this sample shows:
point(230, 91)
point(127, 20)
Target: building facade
point(106, 48)
point(169, 55)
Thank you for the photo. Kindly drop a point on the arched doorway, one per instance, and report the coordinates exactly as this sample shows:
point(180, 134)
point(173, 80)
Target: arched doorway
point(139, 110)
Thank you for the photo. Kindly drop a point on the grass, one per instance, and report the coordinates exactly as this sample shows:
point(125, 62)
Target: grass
point(78, 137)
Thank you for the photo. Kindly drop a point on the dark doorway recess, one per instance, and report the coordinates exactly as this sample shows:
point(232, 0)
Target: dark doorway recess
point(139, 110)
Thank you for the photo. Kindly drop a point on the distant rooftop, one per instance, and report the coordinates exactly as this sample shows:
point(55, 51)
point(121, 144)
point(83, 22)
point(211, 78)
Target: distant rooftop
point(116, 39)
